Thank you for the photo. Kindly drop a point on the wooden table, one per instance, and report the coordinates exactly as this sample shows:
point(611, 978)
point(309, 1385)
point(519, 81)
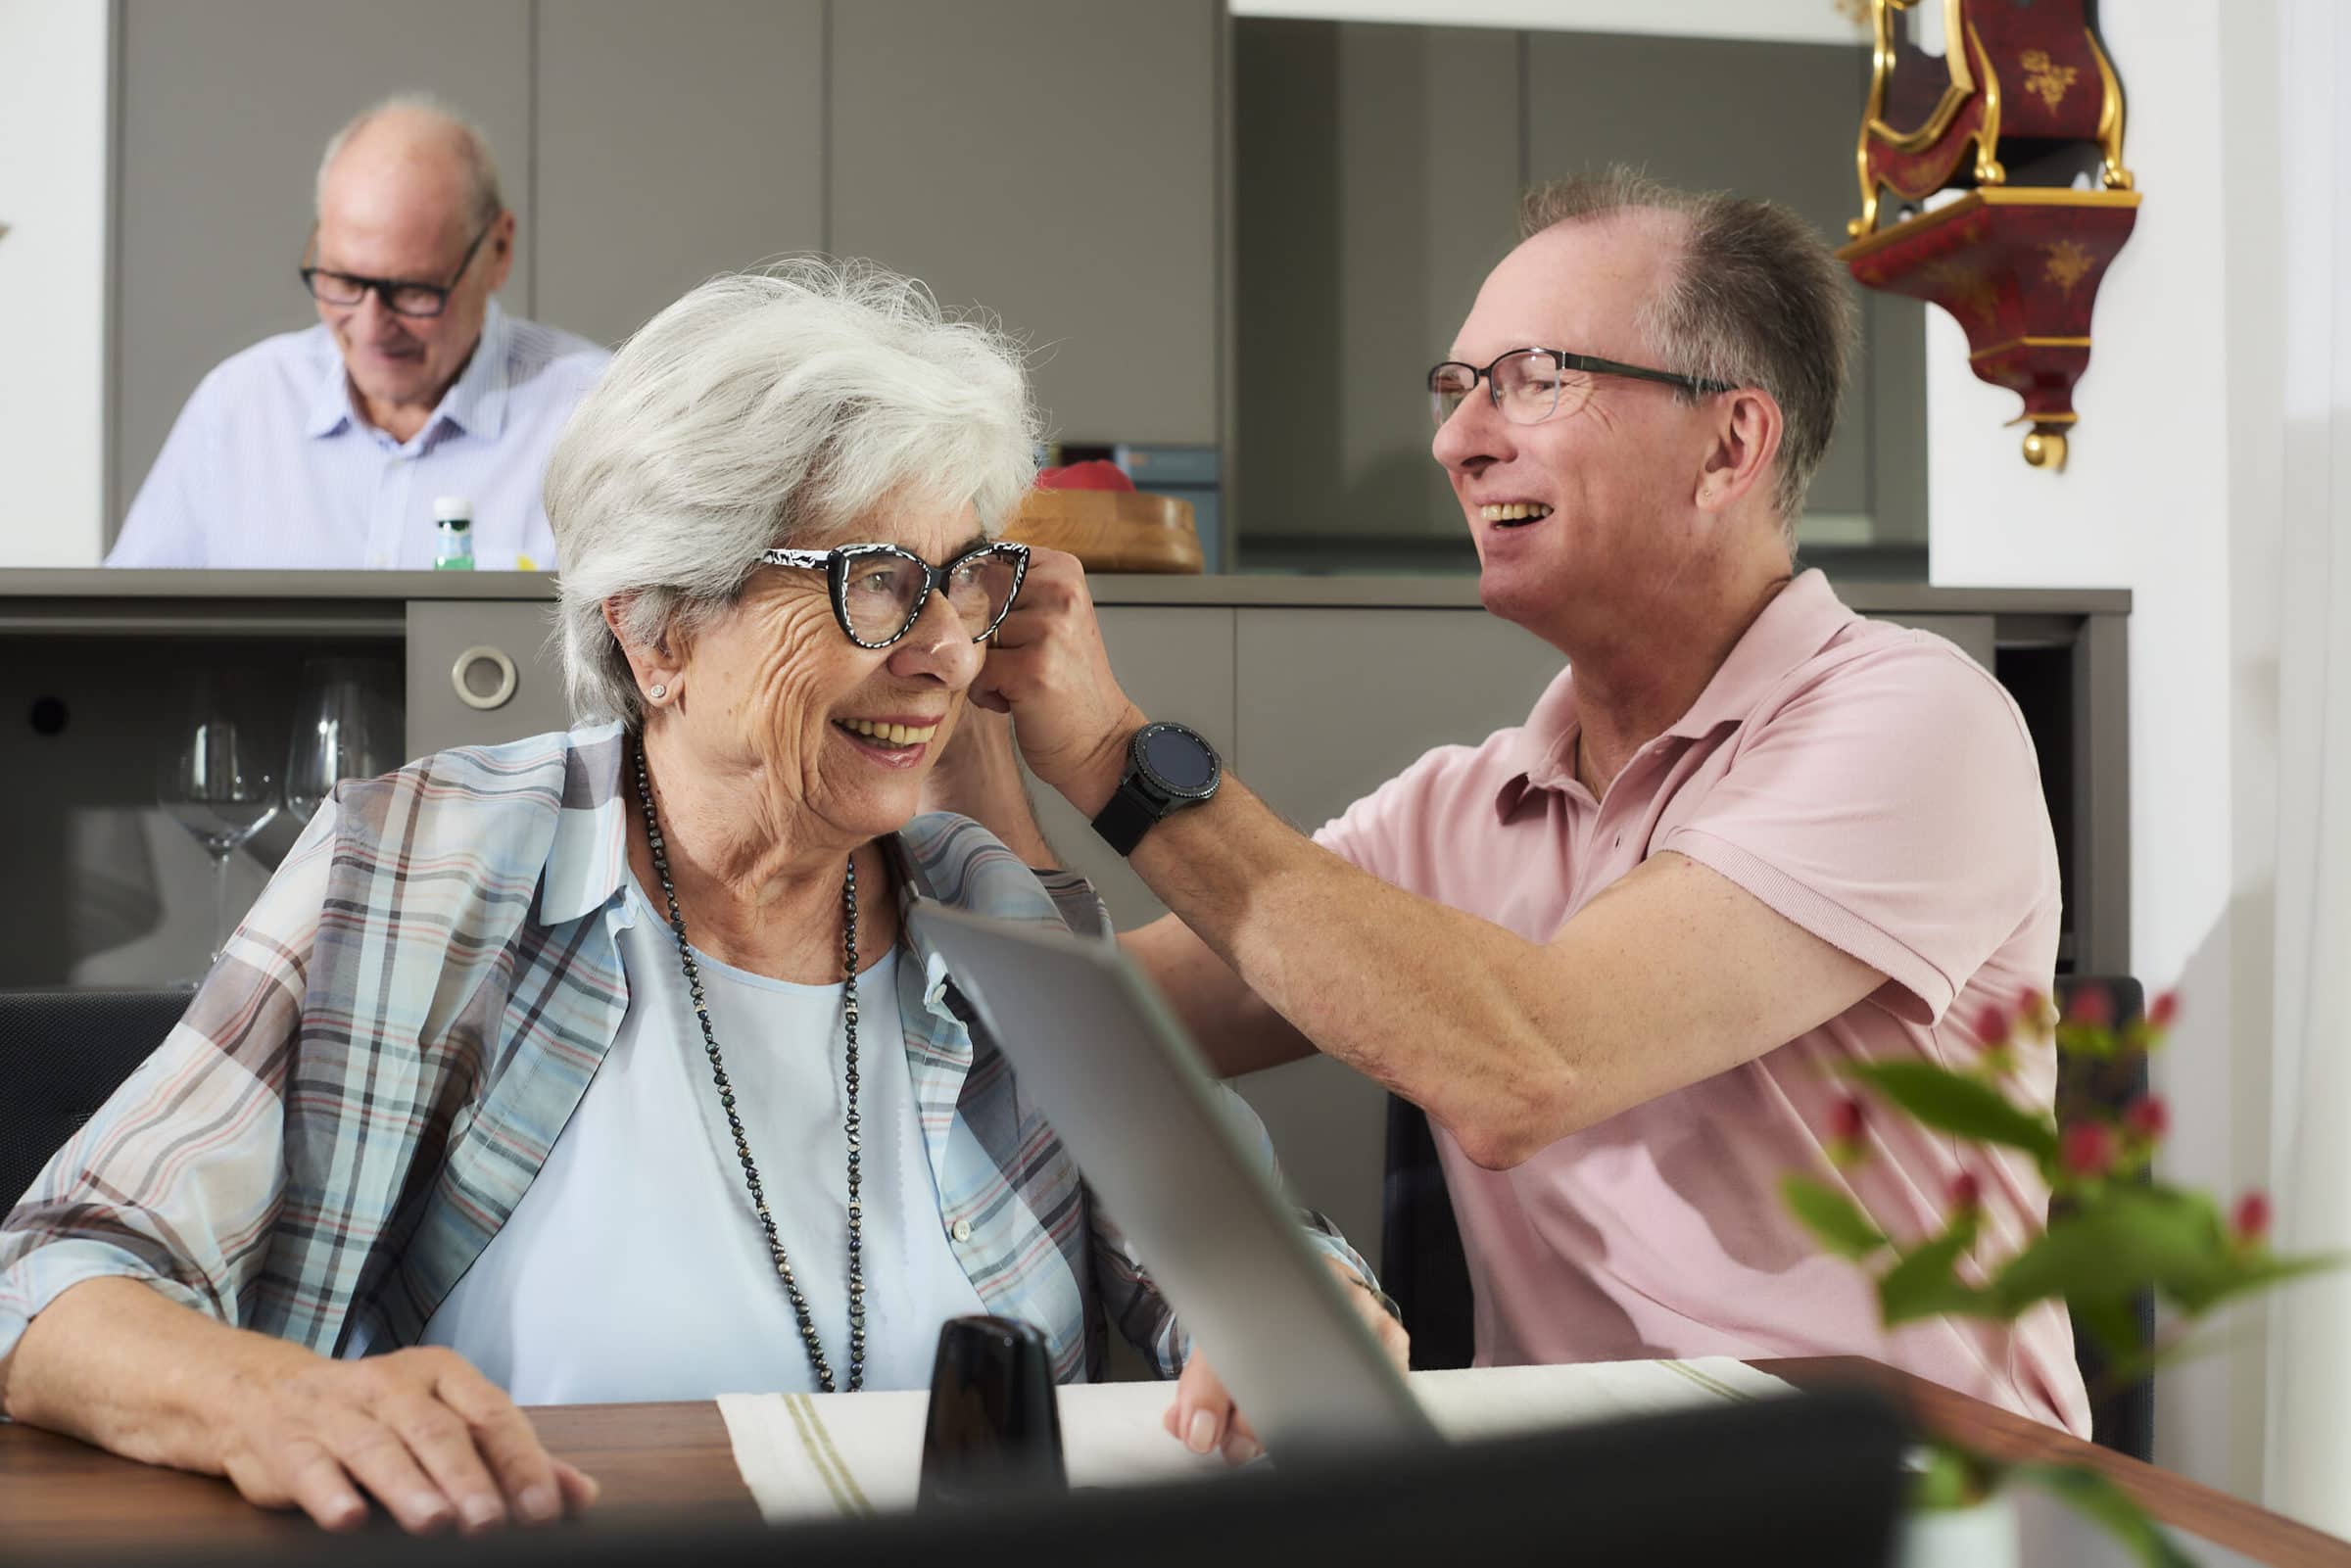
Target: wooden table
point(57, 1495)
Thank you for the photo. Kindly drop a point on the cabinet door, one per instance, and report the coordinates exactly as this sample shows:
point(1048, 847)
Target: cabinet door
point(1059, 169)
point(225, 108)
point(481, 671)
point(1332, 703)
point(1175, 663)
point(675, 141)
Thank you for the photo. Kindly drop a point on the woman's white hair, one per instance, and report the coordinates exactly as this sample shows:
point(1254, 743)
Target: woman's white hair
point(760, 408)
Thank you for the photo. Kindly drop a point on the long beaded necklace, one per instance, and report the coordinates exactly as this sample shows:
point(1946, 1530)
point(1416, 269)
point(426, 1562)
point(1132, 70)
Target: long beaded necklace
point(726, 1100)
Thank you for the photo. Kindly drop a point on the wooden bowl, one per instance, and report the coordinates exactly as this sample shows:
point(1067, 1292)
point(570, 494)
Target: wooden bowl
point(1111, 530)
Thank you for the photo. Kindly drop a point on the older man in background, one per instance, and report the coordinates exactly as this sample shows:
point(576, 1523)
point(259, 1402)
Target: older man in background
point(327, 447)
point(1618, 953)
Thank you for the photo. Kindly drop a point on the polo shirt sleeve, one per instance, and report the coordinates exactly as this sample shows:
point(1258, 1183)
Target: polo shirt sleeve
point(1892, 807)
point(1387, 832)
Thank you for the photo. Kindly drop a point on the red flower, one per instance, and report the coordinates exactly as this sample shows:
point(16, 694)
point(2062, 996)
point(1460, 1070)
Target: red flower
point(1994, 1024)
point(1966, 1192)
point(2163, 1011)
point(2092, 1009)
point(2250, 1219)
point(1844, 1119)
point(2032, 1008)
point(2148, 1117)
point(2088, 1149)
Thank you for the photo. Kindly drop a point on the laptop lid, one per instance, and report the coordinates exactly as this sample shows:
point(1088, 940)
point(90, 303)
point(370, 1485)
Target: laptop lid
point(1099, 1050)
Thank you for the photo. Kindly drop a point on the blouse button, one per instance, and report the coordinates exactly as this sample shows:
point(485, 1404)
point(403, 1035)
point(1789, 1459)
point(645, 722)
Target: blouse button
point(961, 1230)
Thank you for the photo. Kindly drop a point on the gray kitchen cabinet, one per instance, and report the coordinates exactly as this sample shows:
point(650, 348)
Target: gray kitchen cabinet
point(481, 671)
point(1055, 161)
point(720, 165)
point(223, 111)
point(1377, 171)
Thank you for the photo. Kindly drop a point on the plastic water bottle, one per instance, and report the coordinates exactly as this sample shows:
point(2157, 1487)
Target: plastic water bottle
point(452, 528)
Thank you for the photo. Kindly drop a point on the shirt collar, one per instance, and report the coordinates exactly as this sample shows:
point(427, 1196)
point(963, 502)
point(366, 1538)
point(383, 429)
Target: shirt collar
point(475, 402)
point(589, 854)
point(1800, 621)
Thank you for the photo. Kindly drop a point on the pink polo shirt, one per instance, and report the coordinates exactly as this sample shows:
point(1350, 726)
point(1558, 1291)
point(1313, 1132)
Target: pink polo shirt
point(1874, 786)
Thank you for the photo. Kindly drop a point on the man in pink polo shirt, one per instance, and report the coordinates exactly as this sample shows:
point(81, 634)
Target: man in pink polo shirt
point(1616, 952)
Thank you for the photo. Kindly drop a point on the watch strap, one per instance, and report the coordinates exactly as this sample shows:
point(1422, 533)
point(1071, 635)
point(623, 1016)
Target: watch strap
point(1129, 815)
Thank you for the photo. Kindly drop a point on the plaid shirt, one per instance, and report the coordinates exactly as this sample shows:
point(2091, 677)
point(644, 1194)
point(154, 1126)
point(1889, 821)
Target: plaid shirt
point(374, 1073)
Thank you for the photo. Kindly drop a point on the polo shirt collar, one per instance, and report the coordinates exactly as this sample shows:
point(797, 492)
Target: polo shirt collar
point(475, 402)
point(1798, 623)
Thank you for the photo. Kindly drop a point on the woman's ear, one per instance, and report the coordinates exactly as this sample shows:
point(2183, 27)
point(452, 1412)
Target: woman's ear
point(659, 666)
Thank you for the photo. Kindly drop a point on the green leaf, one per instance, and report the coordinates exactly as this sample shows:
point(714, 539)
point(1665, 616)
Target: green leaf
point(1924, 1285)
point(2128, 1238)
point(2236, 1272)
point(1953, 1103)
point(2100, 1499)
point(1835, 1220)
point(2113, 1322)
point(1953, 1478)
point(2115, 1244)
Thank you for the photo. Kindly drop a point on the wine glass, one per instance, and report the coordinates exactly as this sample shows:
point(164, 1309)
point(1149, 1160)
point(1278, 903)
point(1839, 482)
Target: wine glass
point(343, 728)
point(216, 781)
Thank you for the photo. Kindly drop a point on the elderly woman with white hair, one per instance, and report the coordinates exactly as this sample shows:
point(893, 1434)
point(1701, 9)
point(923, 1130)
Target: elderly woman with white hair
point(603, 1065)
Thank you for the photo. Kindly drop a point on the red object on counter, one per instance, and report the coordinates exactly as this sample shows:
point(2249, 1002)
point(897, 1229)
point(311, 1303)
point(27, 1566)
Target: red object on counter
point(1096, 473)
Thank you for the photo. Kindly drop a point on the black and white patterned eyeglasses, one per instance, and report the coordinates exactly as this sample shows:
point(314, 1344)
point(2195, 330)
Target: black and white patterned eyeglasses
point(878, 590)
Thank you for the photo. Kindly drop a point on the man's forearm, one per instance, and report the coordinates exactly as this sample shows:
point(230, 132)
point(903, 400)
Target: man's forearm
point(1447, 1010)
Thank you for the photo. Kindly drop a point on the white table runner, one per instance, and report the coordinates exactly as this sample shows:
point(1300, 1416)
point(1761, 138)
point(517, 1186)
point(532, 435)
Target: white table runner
point(818, 1455)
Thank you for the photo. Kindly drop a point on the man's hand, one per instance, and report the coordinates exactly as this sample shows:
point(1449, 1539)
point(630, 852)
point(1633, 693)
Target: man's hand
point(1048, 669)
point(419, 1430)
point(1202, 1418)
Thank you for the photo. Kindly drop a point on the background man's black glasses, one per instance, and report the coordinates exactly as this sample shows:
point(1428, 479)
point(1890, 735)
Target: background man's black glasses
point(878, 589)
point(400, 295)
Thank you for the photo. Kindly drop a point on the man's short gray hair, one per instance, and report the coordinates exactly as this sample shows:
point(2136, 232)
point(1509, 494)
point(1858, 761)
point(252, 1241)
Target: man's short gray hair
point(762, 408)
point(483, 200)
point(1753, 298)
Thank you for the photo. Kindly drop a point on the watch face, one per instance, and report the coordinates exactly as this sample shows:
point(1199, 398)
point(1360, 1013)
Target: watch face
point(1178, 759)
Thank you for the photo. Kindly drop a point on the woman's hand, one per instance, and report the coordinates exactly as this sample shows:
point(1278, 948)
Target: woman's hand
point(1202, 1418)
point(1048, 669)
point(419, 1430)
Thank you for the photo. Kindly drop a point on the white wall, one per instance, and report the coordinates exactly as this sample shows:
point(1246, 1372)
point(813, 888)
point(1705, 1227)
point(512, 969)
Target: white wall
point(1780, 21)
point(2172, 493)
point(52, 197)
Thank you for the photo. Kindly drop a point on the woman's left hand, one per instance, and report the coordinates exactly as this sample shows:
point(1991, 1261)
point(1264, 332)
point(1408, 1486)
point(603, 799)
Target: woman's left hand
point(1048, 669)
point(1202, 1418)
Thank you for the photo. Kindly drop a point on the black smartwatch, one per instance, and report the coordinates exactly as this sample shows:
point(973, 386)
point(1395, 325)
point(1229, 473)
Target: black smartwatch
point(1168, 767)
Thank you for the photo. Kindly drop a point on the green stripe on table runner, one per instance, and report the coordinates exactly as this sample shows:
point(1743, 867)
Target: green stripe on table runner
point(1708, 1381)
point(847, 1496)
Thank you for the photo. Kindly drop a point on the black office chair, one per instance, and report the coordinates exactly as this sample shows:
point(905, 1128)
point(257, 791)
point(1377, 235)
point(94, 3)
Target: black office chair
point(62, 1053)
point(1422, 1266)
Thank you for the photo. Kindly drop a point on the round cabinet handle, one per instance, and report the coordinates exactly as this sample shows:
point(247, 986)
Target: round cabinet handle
point(475, 663)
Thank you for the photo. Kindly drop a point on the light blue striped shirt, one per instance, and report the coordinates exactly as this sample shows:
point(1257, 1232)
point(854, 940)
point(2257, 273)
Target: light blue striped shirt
point(270, 465)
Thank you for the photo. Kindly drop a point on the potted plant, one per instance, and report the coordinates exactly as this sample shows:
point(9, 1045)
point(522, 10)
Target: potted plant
point(2115, 1231)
